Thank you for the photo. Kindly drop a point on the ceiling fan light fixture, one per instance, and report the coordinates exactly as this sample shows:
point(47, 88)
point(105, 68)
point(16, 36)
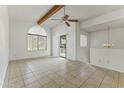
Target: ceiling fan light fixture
point(66, 19)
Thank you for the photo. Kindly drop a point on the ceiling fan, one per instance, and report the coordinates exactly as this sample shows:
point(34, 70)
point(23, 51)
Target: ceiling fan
point(66, 19)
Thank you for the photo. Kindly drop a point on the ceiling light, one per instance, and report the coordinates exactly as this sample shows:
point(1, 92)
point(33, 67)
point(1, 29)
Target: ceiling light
point(108, 44)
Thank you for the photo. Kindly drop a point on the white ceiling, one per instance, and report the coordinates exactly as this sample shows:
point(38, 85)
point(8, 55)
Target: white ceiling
point(113, 24)
point(81, 12)
point(27, 12)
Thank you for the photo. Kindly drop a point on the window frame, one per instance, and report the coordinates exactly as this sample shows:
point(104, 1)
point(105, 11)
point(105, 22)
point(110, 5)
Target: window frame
point(37, 42)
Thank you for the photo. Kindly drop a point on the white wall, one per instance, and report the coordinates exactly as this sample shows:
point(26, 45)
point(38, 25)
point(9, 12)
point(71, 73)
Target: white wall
point(3, 42)
point(18, 41)
point(62, 29)
point(74, 51)
point(82, 53)
point(98, 38)
point(108, 58)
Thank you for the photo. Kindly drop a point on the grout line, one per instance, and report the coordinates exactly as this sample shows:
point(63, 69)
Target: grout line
point(114, 76)
point(118, 79)
point(102, 80)
point(86, 79)
point(114, 79)
point(22, 75)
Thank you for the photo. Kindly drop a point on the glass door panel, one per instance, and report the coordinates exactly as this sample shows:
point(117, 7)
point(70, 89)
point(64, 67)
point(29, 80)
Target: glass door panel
point(63, 46)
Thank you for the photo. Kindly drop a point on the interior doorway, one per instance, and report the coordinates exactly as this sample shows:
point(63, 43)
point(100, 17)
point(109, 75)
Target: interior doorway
point(62, 49)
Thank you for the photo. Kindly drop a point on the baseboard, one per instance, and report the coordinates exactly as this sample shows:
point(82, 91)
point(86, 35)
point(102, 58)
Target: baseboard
point(107, 68)
point(4, 76)
point(70, 59)
point(32, 58)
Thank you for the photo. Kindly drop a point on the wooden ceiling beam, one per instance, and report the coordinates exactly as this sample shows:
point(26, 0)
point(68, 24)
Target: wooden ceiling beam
point(51, 12)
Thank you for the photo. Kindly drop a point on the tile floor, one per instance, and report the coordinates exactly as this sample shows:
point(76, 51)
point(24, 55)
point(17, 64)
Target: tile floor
point(60, 73)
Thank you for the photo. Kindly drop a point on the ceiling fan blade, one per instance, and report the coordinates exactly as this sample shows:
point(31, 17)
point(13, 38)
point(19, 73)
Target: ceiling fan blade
point(56, 19)
point(67, 24)
point(72, 20)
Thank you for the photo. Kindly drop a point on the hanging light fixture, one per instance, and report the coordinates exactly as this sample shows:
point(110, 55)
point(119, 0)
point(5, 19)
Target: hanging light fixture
point(108, 44)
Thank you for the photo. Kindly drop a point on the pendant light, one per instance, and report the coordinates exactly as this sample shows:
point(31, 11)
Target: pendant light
point(108, 44)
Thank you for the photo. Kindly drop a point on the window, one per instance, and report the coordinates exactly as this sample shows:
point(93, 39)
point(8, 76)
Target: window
point(37, 39)
point(36, 42)
point(83, 41)
point(42, 42)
